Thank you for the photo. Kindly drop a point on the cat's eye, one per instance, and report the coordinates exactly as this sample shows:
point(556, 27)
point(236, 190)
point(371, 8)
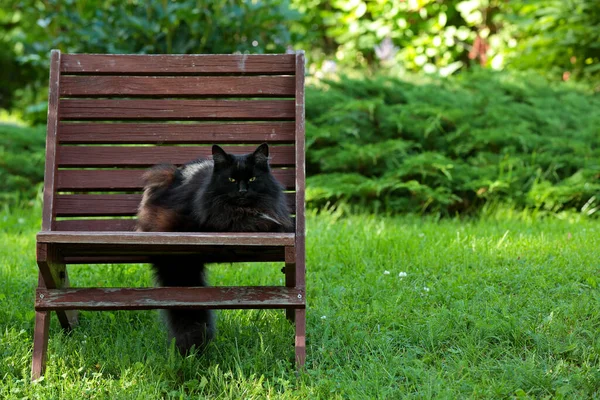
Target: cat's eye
point(231, 180)
point(252, 179)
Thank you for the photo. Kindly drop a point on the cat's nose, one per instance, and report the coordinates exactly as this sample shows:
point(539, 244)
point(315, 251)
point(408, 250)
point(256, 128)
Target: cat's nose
point(243, 188)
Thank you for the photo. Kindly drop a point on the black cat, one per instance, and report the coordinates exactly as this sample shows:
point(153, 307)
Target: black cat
point(230, 193)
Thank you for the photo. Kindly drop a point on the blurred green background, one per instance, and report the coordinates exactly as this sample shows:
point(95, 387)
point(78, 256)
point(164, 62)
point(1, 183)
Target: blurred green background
point(420, 106)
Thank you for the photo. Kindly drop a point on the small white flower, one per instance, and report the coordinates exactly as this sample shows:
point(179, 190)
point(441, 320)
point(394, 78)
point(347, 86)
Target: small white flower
point(386, 51)
point(329, 67)
point(386, 272)
point(21, 220)
point(426, 289)
point(421, 235)
point(402, 274)
point(324, 317)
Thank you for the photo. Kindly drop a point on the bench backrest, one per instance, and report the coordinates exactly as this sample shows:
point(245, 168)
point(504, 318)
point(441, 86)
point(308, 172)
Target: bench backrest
point(111, 117)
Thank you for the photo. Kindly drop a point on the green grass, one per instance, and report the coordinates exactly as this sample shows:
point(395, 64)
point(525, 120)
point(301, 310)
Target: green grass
point(491, 308)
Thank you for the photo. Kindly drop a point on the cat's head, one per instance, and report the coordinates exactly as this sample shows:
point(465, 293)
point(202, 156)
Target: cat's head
point(242, 179)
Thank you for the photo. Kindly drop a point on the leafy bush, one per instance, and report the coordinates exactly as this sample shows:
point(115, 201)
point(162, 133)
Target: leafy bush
point(135, 27)
point(453, 145)
point(558, 38)
point(436, 145)
point(21, 162)
point(425, 35)
point(555, 37)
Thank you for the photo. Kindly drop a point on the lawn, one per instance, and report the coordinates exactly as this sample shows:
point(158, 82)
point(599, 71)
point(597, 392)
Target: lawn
point(496, 307)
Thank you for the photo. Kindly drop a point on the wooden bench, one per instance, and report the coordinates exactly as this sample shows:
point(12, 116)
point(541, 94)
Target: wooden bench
point(111, 117)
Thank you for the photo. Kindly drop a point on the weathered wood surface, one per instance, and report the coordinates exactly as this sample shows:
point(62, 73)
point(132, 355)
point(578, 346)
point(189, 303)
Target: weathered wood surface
point(51, 134)
point(80, 205)
point(300, 342)
point(300, 174)
point(188, 86)
point(40, 344)
point(99, 225)
point(191, 133)
point(53, 274)
point(169, 297)
point(289, 270)
point(177, 64)
point(217, 255)
point(111, 252)
point(144, 156)
point(170, 238)
point(97, 204)
point(52, 268)
point(129, 180)
point(171, 110)
point(96, 225)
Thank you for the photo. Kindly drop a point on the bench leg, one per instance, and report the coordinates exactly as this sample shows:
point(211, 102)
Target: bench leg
point(300, 314)
point(295, 277)
point(53, 275)
point(290, 277)
point(40, 344)
point(68, 318)
point(290, 281)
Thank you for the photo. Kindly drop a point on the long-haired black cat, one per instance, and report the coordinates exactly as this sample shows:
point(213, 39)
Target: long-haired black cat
point(230, 193)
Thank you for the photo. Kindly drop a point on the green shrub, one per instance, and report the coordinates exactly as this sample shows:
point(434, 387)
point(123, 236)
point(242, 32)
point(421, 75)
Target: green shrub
point(446, 146)
point(21, 162)
point(130, 27)
point(453, 145)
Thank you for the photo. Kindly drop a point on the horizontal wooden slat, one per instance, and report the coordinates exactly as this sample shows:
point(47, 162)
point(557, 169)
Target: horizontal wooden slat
point(169, 297)
point(96, 204)
point(218, 257)
point(128, 180)
point(126, 253)
point(99, 225)
point(171, 110)
point(113, 156)
point(70, 205)
point(169, 238)
point(195, 133)
point(106, 252)
point(178, 64)
point(107, 260)
point(160, 86)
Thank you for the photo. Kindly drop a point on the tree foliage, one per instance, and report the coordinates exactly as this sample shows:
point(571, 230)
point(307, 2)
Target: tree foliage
point(421, 35)
point(34, 27)
point(558, 38)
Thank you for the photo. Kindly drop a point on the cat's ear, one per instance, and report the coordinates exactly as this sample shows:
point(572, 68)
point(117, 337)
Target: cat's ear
point(219, 155)
point(261, 154)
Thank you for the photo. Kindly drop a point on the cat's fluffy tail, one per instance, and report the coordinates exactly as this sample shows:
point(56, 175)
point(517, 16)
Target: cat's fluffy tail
point(160, 176)
point(189, 328)
point(150, 216)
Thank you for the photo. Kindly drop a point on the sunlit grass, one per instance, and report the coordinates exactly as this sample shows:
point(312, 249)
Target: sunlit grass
point(397, 307)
